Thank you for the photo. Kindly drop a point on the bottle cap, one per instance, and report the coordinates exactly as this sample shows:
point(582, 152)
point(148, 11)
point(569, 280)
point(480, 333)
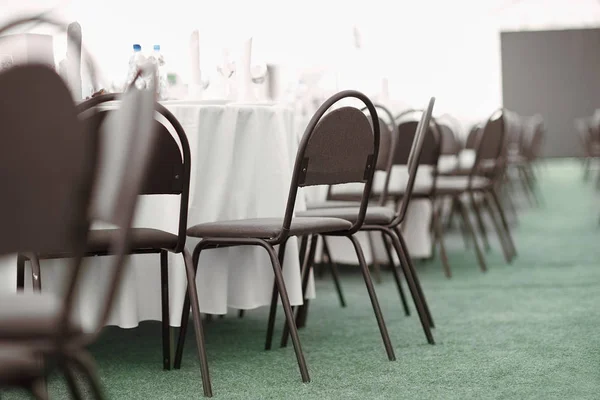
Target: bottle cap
point(137, 47)
point(157, 47)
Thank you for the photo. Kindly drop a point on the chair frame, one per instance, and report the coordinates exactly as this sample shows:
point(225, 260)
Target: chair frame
point(281, 239)
point(182, 191)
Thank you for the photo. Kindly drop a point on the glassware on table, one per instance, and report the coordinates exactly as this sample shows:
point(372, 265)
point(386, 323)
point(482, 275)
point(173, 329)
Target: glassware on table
point(226, 68)
point(259, 73)
point(6, 61)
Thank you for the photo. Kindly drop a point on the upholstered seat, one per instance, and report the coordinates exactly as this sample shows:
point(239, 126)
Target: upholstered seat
point(375, 215)
point(31, 316)
point(99, 239)
point(267, 228)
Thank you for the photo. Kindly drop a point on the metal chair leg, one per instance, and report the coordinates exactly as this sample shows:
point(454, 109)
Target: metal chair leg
point(501, 235)
point(191, 268)
point(287, 309)
point(396, 274)
point(20, 272)
point(273, 308)
point(480, 223)
point(240, 313)
point(478, 252)
point(71, 381)
point(36, 273)
point(374, 263)
point(374, 302)
point(167, 341)
point(418, 300)
point(335, 275)
point(504, 221)
point(405, 257)
point(307, 264)
point(86, 365)
point(38, 389)
point(439, 234)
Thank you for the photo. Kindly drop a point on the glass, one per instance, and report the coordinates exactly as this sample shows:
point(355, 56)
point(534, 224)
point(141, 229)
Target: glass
point(226, 68)
point(6, 62)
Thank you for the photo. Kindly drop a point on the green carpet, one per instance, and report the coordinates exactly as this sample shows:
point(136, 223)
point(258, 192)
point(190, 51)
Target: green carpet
point(530, 330)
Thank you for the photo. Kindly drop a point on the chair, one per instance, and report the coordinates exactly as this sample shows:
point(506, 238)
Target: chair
point(489, 161)
point(338, 147)
point(387, 149)
point(169, 174)
point(451, 146)
point(385, 221)
point(387, 144)
point(50, 207)
point(525, 154)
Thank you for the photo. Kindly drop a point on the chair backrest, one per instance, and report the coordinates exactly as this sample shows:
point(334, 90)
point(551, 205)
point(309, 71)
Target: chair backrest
point(423, 130)
point(170, 166)
point(126, 139)
point(388, 139)
point(449, 142)
point(46, 164)
point(407, 131)
point(491, 146)
point(339, 146)
point(473, 136)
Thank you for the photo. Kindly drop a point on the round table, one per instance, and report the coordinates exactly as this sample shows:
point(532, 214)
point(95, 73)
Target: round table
point(242, 158)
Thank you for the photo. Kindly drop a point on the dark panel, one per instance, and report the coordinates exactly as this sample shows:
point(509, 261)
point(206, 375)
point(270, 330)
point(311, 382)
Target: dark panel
point(556, 74)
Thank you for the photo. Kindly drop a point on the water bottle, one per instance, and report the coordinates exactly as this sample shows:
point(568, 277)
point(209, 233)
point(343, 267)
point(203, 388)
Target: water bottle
point(158, 61)
point(135, 61)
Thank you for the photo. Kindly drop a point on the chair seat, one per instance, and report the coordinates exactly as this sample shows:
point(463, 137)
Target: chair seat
point(267, 228)
point(332, 204)
point(376, 215)
point(31, 316)
point(19, 365)
point(355, 197)
point(141, 238)
point(450, 185)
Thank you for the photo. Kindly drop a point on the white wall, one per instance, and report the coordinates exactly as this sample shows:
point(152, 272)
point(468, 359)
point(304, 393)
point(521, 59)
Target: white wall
point(449, 49)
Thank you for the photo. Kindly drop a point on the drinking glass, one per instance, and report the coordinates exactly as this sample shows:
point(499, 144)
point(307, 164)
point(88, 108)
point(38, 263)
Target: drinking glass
point(226, 69)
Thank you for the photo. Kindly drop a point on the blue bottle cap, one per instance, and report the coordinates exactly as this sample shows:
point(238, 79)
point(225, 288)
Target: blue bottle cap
point(157, 47)
point(137, 47)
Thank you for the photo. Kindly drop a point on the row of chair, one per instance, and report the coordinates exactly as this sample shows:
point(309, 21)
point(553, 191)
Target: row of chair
point(504, 141)
point(118, 176)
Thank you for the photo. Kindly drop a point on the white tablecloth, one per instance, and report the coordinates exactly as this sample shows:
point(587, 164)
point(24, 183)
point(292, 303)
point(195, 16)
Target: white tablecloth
point(242, 158)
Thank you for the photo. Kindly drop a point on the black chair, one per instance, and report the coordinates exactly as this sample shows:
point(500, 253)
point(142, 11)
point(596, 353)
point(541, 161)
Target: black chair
point(340, 146)
point(169, 174)
point(387, 222)
point(67, 184)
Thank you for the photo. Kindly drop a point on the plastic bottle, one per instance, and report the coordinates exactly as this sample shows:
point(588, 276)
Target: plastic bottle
point(158, 60)
point(135, 60)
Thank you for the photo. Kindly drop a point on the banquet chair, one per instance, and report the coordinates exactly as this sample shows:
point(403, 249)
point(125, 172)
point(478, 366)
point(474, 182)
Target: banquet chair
point(387, 221)
point(339, 146)
point(490, 150)
point(73, 176)
point(450, 145)
point(387, 145)
point(473, 136)
point(523, 157)
point(169, 174)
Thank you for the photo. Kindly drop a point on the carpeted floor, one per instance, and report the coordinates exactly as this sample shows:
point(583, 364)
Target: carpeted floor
point(530, 330)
